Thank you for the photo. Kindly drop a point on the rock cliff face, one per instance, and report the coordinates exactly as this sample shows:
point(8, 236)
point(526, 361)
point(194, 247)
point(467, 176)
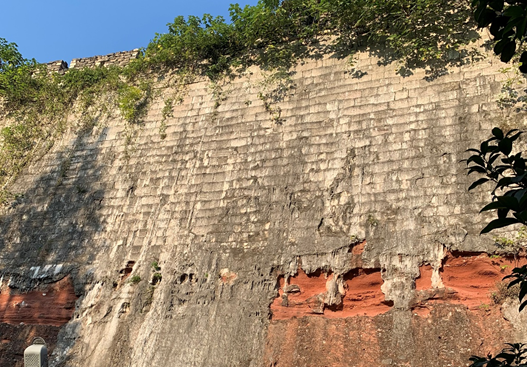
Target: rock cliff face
point(330, 227)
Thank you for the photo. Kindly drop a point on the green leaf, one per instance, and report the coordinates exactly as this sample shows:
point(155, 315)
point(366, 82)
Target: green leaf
point(508, 32)
point(509, 357)
point(505, 146)
point(497, 27)
point(519, 166)
point(515, 11)
point(497, 132)
point(487, 17)
point(519, 194)
point(502, 213)
point(523, 200)
point(512, 283)
point(497, 5)
point(523, 61)
point(508, 52)
point(518, 179)
point(509, 202)
point(520, 29)
point(523, 290)
point(498, 48)
point(492, 206)
point(499, 223)
point(477, 183)
point(521, 216)
point(504, 182)
point(476, 159)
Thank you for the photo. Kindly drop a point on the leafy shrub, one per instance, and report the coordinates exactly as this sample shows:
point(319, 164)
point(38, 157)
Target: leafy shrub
point(155, 266)
point(129, 98)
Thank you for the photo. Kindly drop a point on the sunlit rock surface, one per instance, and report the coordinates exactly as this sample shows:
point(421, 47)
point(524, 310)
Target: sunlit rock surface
point(341, 234)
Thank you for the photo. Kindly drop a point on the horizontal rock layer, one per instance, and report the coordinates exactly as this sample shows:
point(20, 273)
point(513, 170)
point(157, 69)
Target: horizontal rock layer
point(183, 233)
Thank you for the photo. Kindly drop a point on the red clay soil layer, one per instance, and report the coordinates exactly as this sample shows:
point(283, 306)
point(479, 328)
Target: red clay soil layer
point(363, 295)
point(53, 305)
point(448, 336)
point(445, 327)
point(469, 279)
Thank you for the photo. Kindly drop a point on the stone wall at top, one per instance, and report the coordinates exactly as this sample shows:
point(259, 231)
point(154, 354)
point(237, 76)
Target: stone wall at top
point(117, 58)
point(330, 228)
point(121, 58)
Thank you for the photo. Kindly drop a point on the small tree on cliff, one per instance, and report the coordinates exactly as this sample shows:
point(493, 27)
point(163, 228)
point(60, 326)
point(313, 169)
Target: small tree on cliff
point(507, 171)
point(15, 72)
point(507, 22)
point(10, 57)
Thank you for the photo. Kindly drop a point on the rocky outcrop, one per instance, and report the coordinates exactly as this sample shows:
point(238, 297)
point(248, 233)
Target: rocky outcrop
point(340, 234)
point(117, 59)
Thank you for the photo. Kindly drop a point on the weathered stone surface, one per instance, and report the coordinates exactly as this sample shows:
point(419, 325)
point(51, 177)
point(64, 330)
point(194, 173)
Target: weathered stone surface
point(117, 58)
point(231, 204)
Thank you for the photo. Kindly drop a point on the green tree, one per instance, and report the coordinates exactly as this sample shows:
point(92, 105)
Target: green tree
point(16, 79)
point(10, 57)
point(507, 171)
point(507, 22)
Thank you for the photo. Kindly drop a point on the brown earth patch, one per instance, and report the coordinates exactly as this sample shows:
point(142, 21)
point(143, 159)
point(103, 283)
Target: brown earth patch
point(51, 305)
point(304, 294)
point(469, 279)
point(24, 316)
point(447, 336)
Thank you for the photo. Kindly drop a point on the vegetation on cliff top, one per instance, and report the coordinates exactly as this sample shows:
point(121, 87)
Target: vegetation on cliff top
point(271, 34)
point(274, 34)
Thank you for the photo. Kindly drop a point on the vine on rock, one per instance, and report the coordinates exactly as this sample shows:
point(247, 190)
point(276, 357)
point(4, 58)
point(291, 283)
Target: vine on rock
point(274, 35)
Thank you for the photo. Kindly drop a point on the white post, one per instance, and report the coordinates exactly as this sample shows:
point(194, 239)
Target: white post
point(36, 355)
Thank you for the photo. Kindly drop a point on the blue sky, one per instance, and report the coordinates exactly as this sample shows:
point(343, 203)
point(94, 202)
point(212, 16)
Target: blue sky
point(63, 30)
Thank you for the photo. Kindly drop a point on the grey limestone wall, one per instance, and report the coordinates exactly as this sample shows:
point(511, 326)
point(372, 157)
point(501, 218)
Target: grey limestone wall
point(232, 190)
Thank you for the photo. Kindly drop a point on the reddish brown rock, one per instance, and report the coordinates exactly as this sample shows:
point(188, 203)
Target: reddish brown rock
point(362, 288)
point(468, 279)
point(445, 326)
point(52, 305)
